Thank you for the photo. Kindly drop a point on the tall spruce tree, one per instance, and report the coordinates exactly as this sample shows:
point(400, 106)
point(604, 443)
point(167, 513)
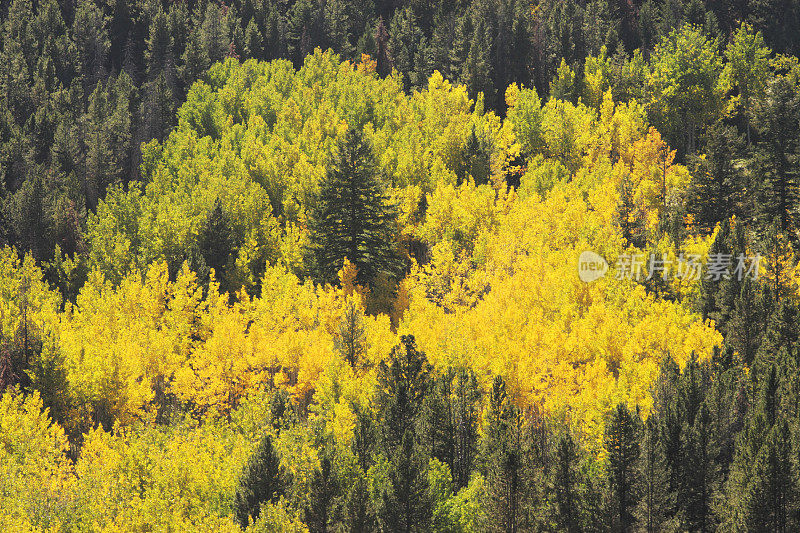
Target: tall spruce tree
point(502, 458)
point(622, 445)
point(466, 410)
point(406, 505)
point(358, 514)
point(402, 386)
point(324, 489)
point(657, 502)
point(353, 218)
point(261, 482)
point(350, 340)
point(566, 479)
point(777, 152)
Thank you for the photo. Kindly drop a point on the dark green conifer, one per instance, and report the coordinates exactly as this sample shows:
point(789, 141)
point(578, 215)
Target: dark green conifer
point(353, 218)
point(261, 482)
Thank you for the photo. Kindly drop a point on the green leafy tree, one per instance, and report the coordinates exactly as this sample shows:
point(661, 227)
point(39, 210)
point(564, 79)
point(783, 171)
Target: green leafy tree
point(685, 94)
point(747, 70)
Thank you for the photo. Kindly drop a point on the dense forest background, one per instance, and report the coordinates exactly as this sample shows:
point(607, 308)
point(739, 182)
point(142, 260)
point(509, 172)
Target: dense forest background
point(312, 266)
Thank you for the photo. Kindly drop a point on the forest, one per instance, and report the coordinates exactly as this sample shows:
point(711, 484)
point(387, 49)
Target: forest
point(320, 266)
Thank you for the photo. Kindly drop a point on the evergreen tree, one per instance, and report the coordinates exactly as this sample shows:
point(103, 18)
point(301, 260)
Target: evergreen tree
point(476, 159)
point(353, 218)
point(402, 386)
point(565, 485)
point(657, 502)
point(350, 340)
point(746, 326)
point(437, 420)
point(502, 458)
point(303, 28)
point(407, 46)
point(622, 445)
point(213, 33)
point(358, 515)
point(364, 436)
point(323, 492)
point(406, 505)
point(217, 241)
point(261, 482)
point(700, 473)
point(718, 185)
point(467, 398)
point(27, 211)
point(159, 45)
point(770, 498)
point(449, 422)
point(777, 116)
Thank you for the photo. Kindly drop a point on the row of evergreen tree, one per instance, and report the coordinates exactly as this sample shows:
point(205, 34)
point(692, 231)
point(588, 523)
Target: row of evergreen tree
point(717, 451)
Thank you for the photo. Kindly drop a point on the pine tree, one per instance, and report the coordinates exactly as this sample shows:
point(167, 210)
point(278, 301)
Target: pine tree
point(449, 422)
point(700, 473)
point(657, 502)
point(339, 23)
point(406, 46)
point(776, 153)
point(719, 179)
point(217, 241)
point(406, 505)
point(253, 41)
point(26, 209)
point(364, 436)
point(323, 492)
point(350, 340)
point(476, 159)
point(502, 458)
point(565, 485)
point(353, 218)
point(402, 386)
point(213, 33)
point(358, 515)
point(159, 45)
point(467, 399)
point(437, 422)
point(303, 28)
point(261, 482)
point(770, 498)
point(746, 326)
point(622, 446)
